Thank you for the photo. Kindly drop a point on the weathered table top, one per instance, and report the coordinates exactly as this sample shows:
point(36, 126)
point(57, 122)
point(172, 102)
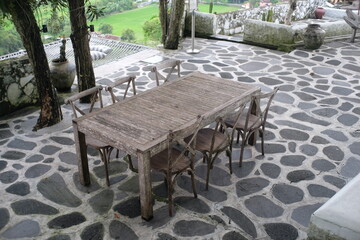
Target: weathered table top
point(142, 122)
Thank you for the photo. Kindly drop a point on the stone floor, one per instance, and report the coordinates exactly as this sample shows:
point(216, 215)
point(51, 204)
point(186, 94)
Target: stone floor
point(312, 151)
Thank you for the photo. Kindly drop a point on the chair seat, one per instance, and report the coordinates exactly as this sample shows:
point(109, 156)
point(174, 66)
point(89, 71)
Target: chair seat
point(204, 137)
point(95, 143)
point(240, 125)
point(159, 162)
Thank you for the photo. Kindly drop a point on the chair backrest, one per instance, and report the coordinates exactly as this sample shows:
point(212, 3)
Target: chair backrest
point(128, 80)
point(263, 111)
point(95, 96)
point(221, 127)
point(172, 64)
point(177, 138)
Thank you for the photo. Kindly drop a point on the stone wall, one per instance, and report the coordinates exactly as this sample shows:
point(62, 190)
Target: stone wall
point(233, 22)
point(17, 85)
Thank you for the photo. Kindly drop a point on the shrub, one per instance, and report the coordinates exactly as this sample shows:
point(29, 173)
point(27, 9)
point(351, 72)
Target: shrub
point(152, 29)
point(105, 28)
point(128, 35)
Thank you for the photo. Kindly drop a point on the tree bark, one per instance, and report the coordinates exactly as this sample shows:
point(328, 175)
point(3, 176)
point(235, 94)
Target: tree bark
point(176, 14)
point(80, 41)
point(292, 7)
point(163, 16)
point(26, 25)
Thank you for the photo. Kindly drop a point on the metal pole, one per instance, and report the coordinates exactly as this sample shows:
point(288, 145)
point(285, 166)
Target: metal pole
point(193, 50)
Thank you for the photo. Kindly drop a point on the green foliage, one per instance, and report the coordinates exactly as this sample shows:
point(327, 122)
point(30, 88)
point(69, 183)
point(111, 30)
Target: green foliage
point(56, 24)
point(152, 29)
point(115, 6)
point(211, 6)
point(105, 28)
point(268, 17)
point(128, 35)
point(10, 41)
point(93, 12)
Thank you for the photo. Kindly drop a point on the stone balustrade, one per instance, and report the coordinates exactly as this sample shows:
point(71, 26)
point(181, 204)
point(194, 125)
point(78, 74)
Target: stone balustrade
point(207, 24)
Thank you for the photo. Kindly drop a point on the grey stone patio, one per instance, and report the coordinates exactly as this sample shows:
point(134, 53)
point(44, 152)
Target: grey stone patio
point(312, 151)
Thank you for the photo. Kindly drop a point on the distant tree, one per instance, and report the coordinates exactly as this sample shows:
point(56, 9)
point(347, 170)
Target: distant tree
point(152, 29)
point(128, 35)
point(105, 28)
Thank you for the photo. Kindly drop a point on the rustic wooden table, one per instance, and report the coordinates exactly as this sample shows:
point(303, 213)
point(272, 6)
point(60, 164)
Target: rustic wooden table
point(139, 125)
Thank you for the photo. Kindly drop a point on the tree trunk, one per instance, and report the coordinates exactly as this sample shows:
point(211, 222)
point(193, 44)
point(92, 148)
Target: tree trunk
point(292, 7)
point(26, 25)
point(163, 15)
point(176, 14)
point(80, 41)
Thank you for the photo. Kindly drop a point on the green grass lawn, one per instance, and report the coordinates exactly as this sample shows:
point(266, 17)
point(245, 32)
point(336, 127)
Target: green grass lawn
point(217, 8)
point(134, 19)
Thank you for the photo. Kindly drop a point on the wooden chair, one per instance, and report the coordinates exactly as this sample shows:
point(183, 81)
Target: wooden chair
point(213, 141)
point(174, 160)
point(129, 81)
point(95, 96)
point(249, 122)
point(173, 64)
point(354, 22)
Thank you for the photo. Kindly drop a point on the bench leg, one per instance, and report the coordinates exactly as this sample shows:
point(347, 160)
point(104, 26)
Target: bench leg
point(353, 35)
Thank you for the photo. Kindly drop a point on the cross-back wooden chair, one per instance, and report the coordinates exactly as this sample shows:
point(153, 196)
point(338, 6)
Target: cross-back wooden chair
point(249, 122)
point(173, 161)
point(172, 64)
point(130, 82)
point(213, 141)
point(95, 97)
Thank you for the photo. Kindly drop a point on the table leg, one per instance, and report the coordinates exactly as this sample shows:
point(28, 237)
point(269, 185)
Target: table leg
point(81, 153)
point(255, 109)
point(145, 185)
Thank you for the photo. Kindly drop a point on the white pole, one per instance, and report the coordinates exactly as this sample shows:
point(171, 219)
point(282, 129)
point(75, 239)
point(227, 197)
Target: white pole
point(193, 50)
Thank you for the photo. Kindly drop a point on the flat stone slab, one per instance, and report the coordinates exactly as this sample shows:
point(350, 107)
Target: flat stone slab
point(340, 215)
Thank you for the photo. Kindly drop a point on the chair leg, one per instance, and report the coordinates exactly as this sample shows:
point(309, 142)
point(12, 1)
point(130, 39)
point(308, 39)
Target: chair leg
point(242, 151)
point(229, 152)
point(105, 156)
point(191, 172)
point(262, 143)
point(131, 166)
point(209, 167)
point(117, 153)
point(170, 192)
point(238, 137)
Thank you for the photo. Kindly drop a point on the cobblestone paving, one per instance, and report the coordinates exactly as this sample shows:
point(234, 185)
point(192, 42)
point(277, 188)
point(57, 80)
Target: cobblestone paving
point(312, 150)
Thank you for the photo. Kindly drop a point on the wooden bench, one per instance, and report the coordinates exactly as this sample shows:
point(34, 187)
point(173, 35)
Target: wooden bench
point(354, 21)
